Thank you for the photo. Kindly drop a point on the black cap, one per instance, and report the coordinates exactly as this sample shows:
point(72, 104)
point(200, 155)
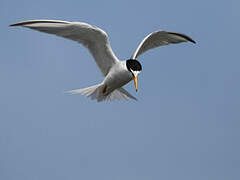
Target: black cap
point(134, 65)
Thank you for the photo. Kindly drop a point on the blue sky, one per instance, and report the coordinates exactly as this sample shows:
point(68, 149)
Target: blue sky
point(185, 125)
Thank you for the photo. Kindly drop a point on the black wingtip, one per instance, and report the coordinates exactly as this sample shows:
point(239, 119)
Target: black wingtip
point(24, 23)
point(12, 25)
point(184, 36)
point(17, 24)
point(194, 42)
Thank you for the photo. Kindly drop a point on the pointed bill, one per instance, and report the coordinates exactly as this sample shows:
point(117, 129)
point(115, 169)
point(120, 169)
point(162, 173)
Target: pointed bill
point(135, 82)
point(135, 75)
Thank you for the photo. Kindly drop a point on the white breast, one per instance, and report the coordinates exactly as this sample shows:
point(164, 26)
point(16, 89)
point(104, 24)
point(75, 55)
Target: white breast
point(117, 77)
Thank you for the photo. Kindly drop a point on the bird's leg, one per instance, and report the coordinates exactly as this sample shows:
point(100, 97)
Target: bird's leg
point(104, 89)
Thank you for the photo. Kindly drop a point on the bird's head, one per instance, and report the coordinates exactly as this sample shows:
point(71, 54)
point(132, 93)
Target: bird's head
point(135, 68)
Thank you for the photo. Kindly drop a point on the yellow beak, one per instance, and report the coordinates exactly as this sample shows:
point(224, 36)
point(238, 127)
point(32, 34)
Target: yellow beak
point(135, 82)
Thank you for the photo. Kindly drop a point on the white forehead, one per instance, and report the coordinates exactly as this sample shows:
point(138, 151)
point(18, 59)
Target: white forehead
point(135, 73)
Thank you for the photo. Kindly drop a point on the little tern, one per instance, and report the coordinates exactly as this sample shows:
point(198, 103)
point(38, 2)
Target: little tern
point(116, 73)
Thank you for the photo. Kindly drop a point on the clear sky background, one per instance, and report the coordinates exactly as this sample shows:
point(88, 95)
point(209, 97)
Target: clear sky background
point(185, 125)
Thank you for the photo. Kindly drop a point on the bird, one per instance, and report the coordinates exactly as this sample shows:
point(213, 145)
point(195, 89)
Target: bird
point(116, 73)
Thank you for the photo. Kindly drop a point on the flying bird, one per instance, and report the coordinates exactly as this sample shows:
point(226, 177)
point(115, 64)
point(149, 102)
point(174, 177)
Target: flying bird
point(116, 73)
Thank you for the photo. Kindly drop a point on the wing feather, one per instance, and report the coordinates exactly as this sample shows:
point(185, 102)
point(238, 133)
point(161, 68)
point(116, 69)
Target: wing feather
point(160, 38)
point(93, 38)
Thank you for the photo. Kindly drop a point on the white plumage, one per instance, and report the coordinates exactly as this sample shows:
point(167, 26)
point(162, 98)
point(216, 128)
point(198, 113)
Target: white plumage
point(116, 73)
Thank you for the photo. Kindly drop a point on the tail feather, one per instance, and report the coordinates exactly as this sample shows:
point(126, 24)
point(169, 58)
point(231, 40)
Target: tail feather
point(126, 94)
point(96, 92)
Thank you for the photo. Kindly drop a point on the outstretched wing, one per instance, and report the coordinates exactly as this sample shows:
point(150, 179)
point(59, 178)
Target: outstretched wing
point(93, 38)
point(160, 38)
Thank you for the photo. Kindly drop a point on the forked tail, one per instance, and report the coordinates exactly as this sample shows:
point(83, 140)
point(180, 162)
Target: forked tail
point(97, 92)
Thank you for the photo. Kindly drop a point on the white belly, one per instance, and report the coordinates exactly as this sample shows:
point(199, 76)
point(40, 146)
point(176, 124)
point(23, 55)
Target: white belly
point(117, 77)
